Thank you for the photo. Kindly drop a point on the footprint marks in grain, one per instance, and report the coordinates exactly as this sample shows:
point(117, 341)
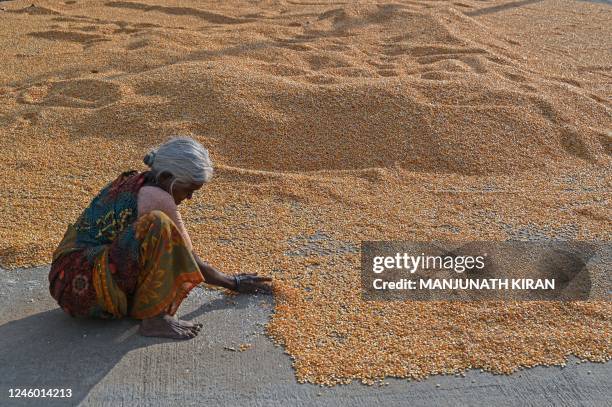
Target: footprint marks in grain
point(70, 36)
point(387, 73)
point(606, 142)
point(35, 10)
point(574, 144)
point(80, 93)
point(213, 18)
point(515, 77)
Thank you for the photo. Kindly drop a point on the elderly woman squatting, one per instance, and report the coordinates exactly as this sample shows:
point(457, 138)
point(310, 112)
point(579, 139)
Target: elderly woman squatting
point(129, 254)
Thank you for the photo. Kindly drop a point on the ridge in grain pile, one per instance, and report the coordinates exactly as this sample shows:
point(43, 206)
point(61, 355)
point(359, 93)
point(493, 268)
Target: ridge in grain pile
point(331, 123)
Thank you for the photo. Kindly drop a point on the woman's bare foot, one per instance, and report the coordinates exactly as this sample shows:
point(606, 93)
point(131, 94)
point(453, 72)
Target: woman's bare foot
point(167, 326)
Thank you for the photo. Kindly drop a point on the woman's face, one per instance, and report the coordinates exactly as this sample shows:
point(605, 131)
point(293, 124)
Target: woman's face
point(180, 190)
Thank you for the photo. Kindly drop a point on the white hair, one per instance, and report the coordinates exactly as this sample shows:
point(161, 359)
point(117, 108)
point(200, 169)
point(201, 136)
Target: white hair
point(186, 159)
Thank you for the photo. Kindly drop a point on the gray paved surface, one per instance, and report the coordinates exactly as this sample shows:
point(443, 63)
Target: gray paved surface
point(108, 364)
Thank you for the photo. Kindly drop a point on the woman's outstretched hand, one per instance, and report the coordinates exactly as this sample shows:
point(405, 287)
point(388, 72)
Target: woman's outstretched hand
point(251, 283)
point(248, 283)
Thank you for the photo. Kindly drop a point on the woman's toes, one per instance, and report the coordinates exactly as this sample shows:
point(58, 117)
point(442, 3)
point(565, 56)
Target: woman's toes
point(169, 327)
point(185, 324)
point(184, 333)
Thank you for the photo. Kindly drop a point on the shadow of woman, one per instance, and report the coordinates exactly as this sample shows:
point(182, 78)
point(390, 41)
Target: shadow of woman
point(51, 350)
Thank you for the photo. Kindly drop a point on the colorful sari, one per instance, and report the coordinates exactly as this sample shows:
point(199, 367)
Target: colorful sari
point(111, 264)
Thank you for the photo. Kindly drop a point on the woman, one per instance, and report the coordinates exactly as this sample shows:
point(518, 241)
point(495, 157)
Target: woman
point(128, 254)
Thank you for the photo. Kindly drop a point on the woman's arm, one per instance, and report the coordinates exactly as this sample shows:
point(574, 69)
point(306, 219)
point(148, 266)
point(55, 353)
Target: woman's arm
point(214, 277)
point(153, 198)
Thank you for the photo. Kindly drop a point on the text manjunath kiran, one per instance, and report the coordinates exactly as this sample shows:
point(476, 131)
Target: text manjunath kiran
point(466, 284)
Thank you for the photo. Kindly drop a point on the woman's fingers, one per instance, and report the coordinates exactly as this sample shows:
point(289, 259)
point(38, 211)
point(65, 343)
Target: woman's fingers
point(261, 285)
point(255, 287)
point(252, 283)
point(263, 289)
point(255, 277)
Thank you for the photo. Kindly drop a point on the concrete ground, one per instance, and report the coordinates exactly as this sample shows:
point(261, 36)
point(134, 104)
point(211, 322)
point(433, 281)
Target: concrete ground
point(108, 363)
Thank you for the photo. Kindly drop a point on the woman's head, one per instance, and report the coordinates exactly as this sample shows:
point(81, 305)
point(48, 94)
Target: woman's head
point(181, 165)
